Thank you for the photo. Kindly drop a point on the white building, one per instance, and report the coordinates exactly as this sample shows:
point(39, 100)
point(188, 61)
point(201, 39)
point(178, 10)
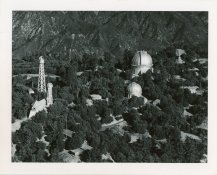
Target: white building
point(42, 104)
point(37, 107)
point(141, 62)
point(134, 89)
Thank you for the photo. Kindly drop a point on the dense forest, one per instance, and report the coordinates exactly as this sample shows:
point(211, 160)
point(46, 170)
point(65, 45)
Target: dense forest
point(91, 53)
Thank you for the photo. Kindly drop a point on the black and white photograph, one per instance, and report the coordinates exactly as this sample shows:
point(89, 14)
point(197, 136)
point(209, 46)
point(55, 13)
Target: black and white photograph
point(109, 86)
point(99, 87)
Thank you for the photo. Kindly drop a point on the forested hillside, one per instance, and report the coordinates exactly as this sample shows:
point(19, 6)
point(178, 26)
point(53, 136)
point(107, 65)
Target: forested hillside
point(90, 54)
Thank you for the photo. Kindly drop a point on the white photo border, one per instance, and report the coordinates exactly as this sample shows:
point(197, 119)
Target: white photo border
point(7, 167)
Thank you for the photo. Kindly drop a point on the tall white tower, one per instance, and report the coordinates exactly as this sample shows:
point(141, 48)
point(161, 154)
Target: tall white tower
point(41, 76)
point(49, 94)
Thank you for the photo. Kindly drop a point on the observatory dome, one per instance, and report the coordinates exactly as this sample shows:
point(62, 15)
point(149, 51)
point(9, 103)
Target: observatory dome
point(141, 62)
point(134, 89)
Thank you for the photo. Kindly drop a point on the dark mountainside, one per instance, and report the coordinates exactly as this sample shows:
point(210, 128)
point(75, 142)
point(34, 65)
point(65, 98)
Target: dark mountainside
point(90, 54)
point(113, 32)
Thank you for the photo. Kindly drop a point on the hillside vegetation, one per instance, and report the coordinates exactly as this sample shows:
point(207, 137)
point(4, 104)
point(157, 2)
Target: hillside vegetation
point(91, 53)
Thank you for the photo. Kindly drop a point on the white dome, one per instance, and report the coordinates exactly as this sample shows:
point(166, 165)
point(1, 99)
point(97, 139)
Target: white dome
point(141, 62)
point(142, 58)
point(134, 89)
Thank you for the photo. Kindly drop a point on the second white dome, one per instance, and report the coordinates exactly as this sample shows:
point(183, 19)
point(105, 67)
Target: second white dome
point(134, 89)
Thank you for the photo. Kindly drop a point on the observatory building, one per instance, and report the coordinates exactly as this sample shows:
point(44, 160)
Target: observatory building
point(134, 89)
point(141, 62)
